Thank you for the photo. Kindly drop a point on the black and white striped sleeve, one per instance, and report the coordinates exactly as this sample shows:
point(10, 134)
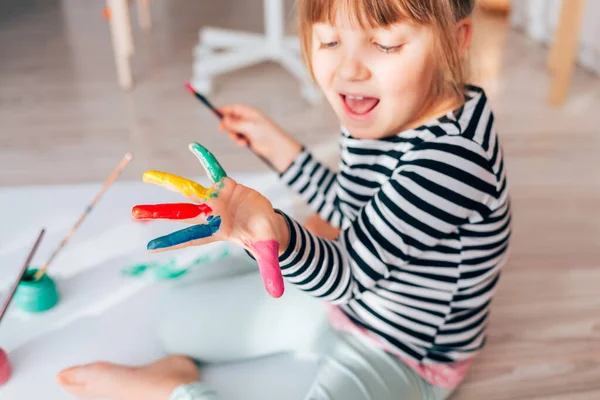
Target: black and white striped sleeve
point(316, 184)
point(436, 188)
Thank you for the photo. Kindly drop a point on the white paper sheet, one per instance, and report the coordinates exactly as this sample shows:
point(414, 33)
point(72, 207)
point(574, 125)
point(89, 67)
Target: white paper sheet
point(103, 314)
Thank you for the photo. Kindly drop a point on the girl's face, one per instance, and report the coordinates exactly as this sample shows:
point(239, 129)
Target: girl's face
point(378, 81)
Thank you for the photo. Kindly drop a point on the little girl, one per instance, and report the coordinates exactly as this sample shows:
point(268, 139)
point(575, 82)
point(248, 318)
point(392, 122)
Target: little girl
point(407, 242)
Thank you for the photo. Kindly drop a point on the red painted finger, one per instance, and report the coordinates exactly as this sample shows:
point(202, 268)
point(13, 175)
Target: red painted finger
point(170, 211)
point(267, 257)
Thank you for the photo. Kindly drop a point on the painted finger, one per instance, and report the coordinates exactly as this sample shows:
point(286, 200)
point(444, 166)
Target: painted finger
point(213, 169)
point(175, 211)
point(190, 189)
point(187, 236)
point(192, 243)
point(266, 253)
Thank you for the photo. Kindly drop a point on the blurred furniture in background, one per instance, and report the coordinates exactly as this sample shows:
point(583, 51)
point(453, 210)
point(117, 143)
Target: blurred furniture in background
point(563, 53)
point(242, 49)
point(571, 34)
point(494, 6)
point(488, 46)
point(117, 13)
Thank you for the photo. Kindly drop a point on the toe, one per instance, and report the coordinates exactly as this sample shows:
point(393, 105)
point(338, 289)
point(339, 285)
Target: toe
point(70, 376)
point(86, 381)
point(71, 381)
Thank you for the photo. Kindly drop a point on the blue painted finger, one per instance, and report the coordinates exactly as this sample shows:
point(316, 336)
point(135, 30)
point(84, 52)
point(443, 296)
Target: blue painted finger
point(186, 235)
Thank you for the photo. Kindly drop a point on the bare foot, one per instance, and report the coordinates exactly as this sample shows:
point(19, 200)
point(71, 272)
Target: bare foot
point(154, 381)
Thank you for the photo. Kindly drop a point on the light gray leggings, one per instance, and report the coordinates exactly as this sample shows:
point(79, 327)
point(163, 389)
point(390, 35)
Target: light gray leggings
point(225, 315)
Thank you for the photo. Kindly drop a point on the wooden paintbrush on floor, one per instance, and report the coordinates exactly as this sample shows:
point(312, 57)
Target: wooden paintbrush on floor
point(11, 294)
point(112, 177)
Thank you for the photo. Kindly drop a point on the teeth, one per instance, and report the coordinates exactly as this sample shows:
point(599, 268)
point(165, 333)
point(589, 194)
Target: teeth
point(355, 97)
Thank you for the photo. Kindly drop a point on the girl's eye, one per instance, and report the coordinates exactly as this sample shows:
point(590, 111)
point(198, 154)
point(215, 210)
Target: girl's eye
point(329, 45)
point(387, 49)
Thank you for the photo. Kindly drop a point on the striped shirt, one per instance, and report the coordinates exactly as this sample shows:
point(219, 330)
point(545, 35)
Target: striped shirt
point(425, 218)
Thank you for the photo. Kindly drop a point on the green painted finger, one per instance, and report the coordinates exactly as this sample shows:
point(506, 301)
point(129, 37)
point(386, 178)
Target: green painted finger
point(214, 170)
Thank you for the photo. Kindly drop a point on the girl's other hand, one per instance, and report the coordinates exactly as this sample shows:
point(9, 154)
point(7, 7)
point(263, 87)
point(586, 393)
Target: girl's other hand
point(248, 126)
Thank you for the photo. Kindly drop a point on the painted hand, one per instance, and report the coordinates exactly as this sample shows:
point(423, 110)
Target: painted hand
point(227, 211)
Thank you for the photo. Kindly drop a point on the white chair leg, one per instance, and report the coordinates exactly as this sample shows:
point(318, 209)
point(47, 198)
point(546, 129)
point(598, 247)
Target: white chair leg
point(244, 49)
point(202, 51)
point(222, 63)
point(294, 65)
point(292, 43)
point(274, 27)
point(202, 85)
point(218, 38)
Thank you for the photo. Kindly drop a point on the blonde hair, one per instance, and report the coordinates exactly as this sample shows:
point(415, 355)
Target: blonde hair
point(439, 15)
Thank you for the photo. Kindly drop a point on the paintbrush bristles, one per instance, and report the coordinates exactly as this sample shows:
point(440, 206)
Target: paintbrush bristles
point(111, 178)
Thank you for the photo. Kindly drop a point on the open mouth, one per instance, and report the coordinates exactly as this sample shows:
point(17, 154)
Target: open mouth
point(359, 105)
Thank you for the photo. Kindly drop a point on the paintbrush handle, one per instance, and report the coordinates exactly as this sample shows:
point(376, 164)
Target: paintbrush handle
point(113, 177)
point(11, 294)
point(220, 115)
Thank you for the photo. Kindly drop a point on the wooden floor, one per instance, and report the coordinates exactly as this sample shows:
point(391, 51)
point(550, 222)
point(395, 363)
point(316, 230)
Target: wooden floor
point(63, 119)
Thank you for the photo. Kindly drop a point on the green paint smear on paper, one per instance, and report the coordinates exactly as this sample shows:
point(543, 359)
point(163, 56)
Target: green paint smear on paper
point(137, 269)
point(170, 270)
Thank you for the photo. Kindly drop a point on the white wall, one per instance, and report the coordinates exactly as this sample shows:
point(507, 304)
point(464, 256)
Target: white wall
point(539, 18)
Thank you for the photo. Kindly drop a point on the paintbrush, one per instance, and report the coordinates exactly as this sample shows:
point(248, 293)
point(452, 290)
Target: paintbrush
point(111, 178)
point(220, 115)
point(11, 294)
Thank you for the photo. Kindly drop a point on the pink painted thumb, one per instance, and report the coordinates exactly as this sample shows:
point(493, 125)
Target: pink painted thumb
point(267, 256)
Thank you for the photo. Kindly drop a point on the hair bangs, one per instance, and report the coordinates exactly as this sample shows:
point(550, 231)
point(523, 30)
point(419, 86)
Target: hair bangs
point(364, 14)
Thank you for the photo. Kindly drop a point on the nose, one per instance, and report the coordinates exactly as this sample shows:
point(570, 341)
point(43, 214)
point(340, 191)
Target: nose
point(352, 69)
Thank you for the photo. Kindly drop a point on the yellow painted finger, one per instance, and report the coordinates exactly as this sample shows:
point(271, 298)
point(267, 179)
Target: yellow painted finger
point(186, 187)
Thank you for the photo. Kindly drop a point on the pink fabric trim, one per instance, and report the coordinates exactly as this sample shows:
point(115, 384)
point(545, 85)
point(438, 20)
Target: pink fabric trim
point(445, 375)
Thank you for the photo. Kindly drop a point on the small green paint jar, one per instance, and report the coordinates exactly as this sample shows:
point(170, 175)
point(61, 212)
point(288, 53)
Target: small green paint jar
point(36, 295)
